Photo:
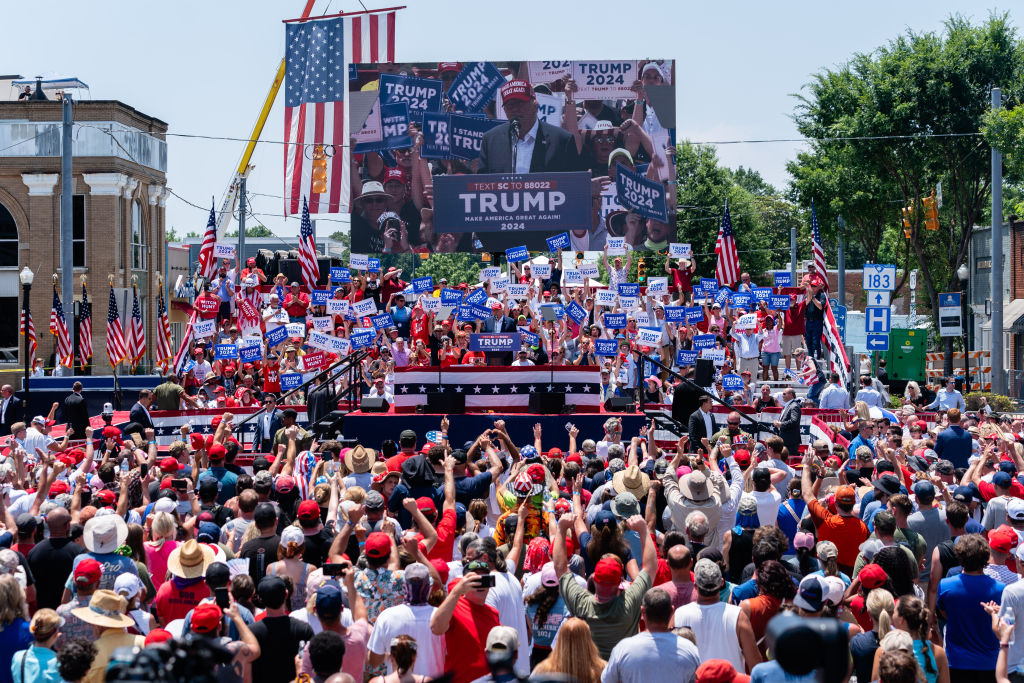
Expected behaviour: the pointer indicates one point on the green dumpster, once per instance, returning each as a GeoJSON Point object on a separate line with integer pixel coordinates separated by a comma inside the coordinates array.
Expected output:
{"type": "Point", "coordinates": [906, 358]}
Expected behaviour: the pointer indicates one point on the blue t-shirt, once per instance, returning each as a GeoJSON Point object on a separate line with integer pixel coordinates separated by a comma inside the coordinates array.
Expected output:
{"type": "Point", "coordinates": [785, 520]}
{"type": "Point", "coordinates": [771, 672]}
{"type": "Point", "coordinates": [14, 637]}
{"type": "Point", "coordinates": [228, 480]}
{"type": "Point", "coordinates": [970, 643]}
{"type": "Point", "coordinates": [469, 488]}
{"type": "Point", "coordinates": [744, 591]}
{"type": "Point", "coordinates": [544, 634]}
{"type": "Point", "coordinates": [113, 566]}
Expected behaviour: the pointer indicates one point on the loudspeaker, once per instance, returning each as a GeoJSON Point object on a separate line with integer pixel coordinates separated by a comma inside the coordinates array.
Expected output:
{"type": "Point", "coordinates": [324, 264]}
{"type": "Point", "coordinates": [685, 400]}
{"type": "Point", "coordinates": [373, 405]}
{"type": "Point", "coordinates": [329, 424]}
{"type": "Point", "coordinates": [704, 374]}
{"type": "Point", "coordinates": [291, 270]}
{"type": "Point", "coordinates": [446, 402]}
{"type": "Point", "coordinates": [619, 404]}
{"type": "Point", "coordinates": [547, 404]}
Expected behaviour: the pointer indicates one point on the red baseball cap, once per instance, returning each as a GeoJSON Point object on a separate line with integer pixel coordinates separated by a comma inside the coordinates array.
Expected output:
{"type": "Point", "coordinates": [608, 571]}
{"type": "Point", "coordinates": [169, 465]}
{"type": "Point", "coordinates": [872, 576]}
{"type": "Point", "coordinates": [217, 452]}
{"type": "Point", "coordinates": [423, 504]}
{"type": "Point", "coordinates": [449, 66]}
{"type": "Point", "coordinates": [308, 509]}
{"type": "Point", "coordinates": [396, 174]}
{"type": "Point", "coordinates": [442, 569]}
{"type": "Point", "coordinates": [555, 453]}
{"type": "Point", "coordinates": [58, 487]}
{"type": "Point", "coordinates": [378, 545]}
{"type": "Point", "coordinates": [88, 572]}
{"type": "Point", "coordinates": [105, 496]}
{"type": "Point", "coordinates": [536, 473]}
{"type": "Point", "coordinates": [719, 671]}
{"type": "Point", "coordinates": [111, 432]}
{"type": "Point", "coordinates": [742, 457]}
{"type": "Point", "coordinates": [157, 636]}
{"type": "Point", "coordinates": [205, 618]}
{"type": "Point", "coordinates": [1003, 539]}
{"type": "Point", "coordinates": [576, 458]}
{"type": "Point", "coordinates": [517, 89]}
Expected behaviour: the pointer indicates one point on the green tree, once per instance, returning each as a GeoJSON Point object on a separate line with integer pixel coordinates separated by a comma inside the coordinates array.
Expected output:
{"type": "Point", "coordinates": [254, 231]}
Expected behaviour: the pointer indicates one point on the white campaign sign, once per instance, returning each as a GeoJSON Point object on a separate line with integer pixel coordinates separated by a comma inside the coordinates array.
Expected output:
{"type": "Point", "coordinates": [489, 273]}
{"type": "Point", "coordinates": [319, 340]}
{"type": "Point", "coordinates": [204, 328]}
{"type": "Point", "coordinates": [337, 306]}
{"type": "Point", "coordinates": [657, 286]}
{"type": "Point", "coordinates": [322, 323]}
{"type": "Point", "coordinates": [679, 250]}
{"type": "Point", "coordinates": [339, 345]}
{"type": "Point", "coordinates": [549, 108]}
{"type": "Point", "coordinates": [604, 80]}
{"type": "Point", "coordinates": [604, 297]}
{"type": "Point", "coordinates": [648, 337]}
{"type": "Point", "coordinates": [541, 270]}
{"type": "Point", "coordinates": [616, 246]}
{"type": "Point", "coordinates": [295, 329]}
{"type": "Point", "coordinates": [629, 303]}
{"type": "Point", "coordinates": [500, 284]}
{"type": "Point", "coordinates": [222, 250]}
{"type": "Point", "coordinates": [588, 269]}
{"type": "Point", "coordinates": [546, 71]}
{"type": "Point", "coordinates": [518, 291]}
{"type": "Point", "coordinates": [642, 319]}
{"type": "Point", "coordinates": [365, 307]}
{"type": "Point", "coordinates": [359, 262]}
{"type": "Point", "coordinates": [573, 277]}
{"type": "Point", "coordinates": [716, 355]}
{"type": "Point", "coordinates": [746, 321]}
{"type": "Point", "coordinates": [430, 304]}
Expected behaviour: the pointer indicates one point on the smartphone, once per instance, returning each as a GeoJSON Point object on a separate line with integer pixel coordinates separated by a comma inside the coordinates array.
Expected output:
{"type": "Point", "coordinates": [487, 581]}
{"type": "Point", "coordinates": [144, 469]}
{"type": "Point", "coordinates": [222, 597]}
{"type": "Point", "coordinates": [336, 569]}
{"type": "Point", "coordinates": [568, 426]}
{"type": "Point", "coordinates": [179, 484]}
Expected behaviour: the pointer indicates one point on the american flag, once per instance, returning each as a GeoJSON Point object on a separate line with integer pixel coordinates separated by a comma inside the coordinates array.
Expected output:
{"type": "Point", "coordinates": [116, 347]}
{"type": "Point", "coordinates": [136, 332]}
{"type": "Point", "coordinates": [30, 326]}
{"type": "Point", "coordinates": [182, 355]}
{"type": "Point", "coordinates": [207, 263]}
{"type": "Point", "coordinates": [838, 360]}
{"type": "Point", "coordinates": [816, 248]}
{"type": "Point", "coordinates": [164, 352]}
{"type": "Point", "coordinates": [305, 463]}
{"type": "Point", "coordinates": [504, 388]}
{"type": "Point", "coordinates": [314, 114]}
{"type": "Point", "coordinates": [307, 250]}
{"type": "Point", "coordinates": [373, 36]}
{"type": "Point", "coordinates": [85, 329]}
{"type": "Point", "coordinates": [728, 269]}
{"type": "Point", "coordinates": [59, 328]}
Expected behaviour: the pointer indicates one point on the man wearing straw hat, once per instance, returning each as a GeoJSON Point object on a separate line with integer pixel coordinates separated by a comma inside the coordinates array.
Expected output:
{"type": "Point", "coordinates": [106, 613]}
{"type": "Point", "coordinates": [176, 597]}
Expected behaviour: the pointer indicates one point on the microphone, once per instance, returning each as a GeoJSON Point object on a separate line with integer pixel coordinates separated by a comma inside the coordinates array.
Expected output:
{"type": "Point", "coordinates": [513, 126]}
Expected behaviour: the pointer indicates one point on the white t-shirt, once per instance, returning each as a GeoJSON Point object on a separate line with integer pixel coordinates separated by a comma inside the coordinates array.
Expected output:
{"type": "Point", "coordinates": [507, 598]}
{"type": "Point", "coordinates": [652, 658]}
{"type": "Point", "coordinates": [413, 621]}
{"type": "Point", "coordinates": [35, 439]}
{"type": "Point", "coordinates": [767, 506]}
{"type": "Point", "coordinates": [313, 620]}
{"type": "Point", "coordinates": [715, 627]}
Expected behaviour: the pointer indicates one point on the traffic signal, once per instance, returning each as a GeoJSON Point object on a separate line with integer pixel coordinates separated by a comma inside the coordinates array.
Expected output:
{"type": "Point", "coordinates": [641, 271]}
{"type": "Point", "coordinates": [319, 169]}
{"type": "Point", "coordinates": [931, 212]}
{"type": "Point", "coordinates": [908, 226]}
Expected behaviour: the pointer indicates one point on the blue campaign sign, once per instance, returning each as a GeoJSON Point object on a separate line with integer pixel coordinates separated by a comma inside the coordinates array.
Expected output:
{"type": "Point", "coordinates": [643, 196]}
{"type": "Point", "coordinates": [382, 321]}
{"type": "Point", "coordinates": [557, 242]}
{"type": "Point", "coordinates": [704, 341]}
{"type": "Point", "coordinates": [436, 140]}
{"type": "Point", "coordinates": [783, 278]}
{"type": "Point", "coordinates": [516, 254]}
{"type": "Point", "coordinates": [877, 319]}
{"type": "Point", "coordinates": [480, 312]}
{"type": "Point", "coordinates": [319, 297]}
{"type": "Point", "coordinates": [576, 312]}
{"type": "Point", "coordinates": [339, 274]}
{"type": "Point", "coordinates": [251, 353]}
{"type": "Point", "coordinates": [723, 295]}
{"type": "Point", "coordinates": [879, 276]}
{"type": "Point", "coordinates": [949, 300]}
{"type": "Point", "coordinates": [423, 284]}
{"type": "Point", "coordinates": [698, 291]}
{"type": "Point", "coordinates": [686, 357]}
{"type": "Point", "coordinates": [465, 313]}
{"type": "Point", "coordinates": [741, 300]}
{"type": "Point", "coordinates": [709, 284]}
{"type": "Point", "coordinates": [373, 265]}
{"type": "Point", "coordinates": [529, 338]}
{"type": "Point", "coordinates": [420, 94]}
{"type": "Point", "coordinates": [188, 366]}
{"type": "Point", "coordinates": [291, 380]}
{"type": "Point", "coordinates": [675, 314]}
{"type": "Point", "coordinates": [361, 337]}
{"type": "Point", "coordinates": [839, 313]}
{"type": "Point", "coordinates": [498, 202]}
{"type": "Point", "coordinates": [451, 297]}
{"type": "Point", "coordinates": [762, 293]}
{"type": "Point", "coordinates": [606, 347]}
{"type": "Point", "coordinates": [779, 303]}
{"type": "Point", "coordinates": [225, 351]}
{"type": "Point", "coordinates": [276, 336]}
{"type": "Point", "coordinates": [394, 124]}
{"type": "Point", "coordinates": [629, 289]}
{"type": "Point", "coordinates": [495, 342]}
{"type": "Point", "coordinates": [465, 134]}
{"type": "Point", "coordinates": [878, 342]}
{"type": "Point", "coordinates": [477, 296]}
{"type": "Point", "coordinates": [694, 314]}
{"type": "Point", "coordinates": [474, 87]}
{"type": "Point", "coordinates": [615, 321]}
{"type": "Point", "coordinates": [732, 383]}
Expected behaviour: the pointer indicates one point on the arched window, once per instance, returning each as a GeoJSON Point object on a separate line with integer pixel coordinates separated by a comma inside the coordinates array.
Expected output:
{"type": "Point", "coordinates": [138, 238]}
{"type": "Point", "coordinates": [8, 239]}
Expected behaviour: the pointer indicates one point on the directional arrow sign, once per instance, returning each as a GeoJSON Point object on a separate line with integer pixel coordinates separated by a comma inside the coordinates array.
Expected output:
{"type": "Point", "coordinates": [877, 320]}
{"type": "Point", "coordinates": [839, 313]}
{"type": "Point", "coordinates": [878, 342]}
{"type": "Point", "coordinates": [879, 298]}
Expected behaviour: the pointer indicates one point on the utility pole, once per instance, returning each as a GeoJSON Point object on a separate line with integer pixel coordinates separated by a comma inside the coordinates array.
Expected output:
{"type": "Point", "coordinates": [998, 378]}
{"type": "Point", "coordinates": [841, 263]}
{"type": "Point", "coordinates": [67, 188]}
{"type": "Point", "coordinates": [792, 255]}
{"type": "Point", "coordinates": [241, 230]}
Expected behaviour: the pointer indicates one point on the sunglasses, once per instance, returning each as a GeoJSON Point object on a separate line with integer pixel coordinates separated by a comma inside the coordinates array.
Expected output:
{"type": "Point", "coordinates": [604, 138]}
{"type": "Point", "coordinates": [734, 424]}
{"type": "Point", "coordinates": [376, 200]}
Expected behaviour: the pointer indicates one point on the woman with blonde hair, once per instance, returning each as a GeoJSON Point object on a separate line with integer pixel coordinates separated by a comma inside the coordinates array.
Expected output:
{"type": "Point", "coordinates": [15, 633]}
{"type": "Point", "coordinates": [290, 564]}
{"type": "Point", "coordinates": [912, 395]}
{"type": "Point", "coordinates": [880, 607]}
{"type": "Point", "coordinates": [39, 662]}
{"type": "Point", "coordinates": [861, 410]}
{"type": "Point", "coordinates": [163, 532]}
{"type": "Point", "coordinates": [912, 628]}
{"type": "Point", "coordinates": [574, 654]}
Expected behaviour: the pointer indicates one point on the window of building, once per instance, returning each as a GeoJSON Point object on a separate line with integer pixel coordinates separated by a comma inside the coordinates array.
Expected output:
{"type": "Point", "coordinates": [9, 337]}
{"type": "Point", "coordinates": [8, 239]}
{"type": "Point", "coordinates": [138, 238]}
{"type": "Point", "coordinates": [78, 230]}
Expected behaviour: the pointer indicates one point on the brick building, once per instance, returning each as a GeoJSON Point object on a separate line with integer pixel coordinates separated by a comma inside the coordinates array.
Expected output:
{"type": "Point", "coordinates": [119, 168]}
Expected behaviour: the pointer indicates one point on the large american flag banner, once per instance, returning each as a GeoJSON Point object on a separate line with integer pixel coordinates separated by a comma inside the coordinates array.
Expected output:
{"type": "Point", "coordinates": [59, 328]}
{"type": "Point", "coordinates": [85, 328]}
{"type": "Point", "coordinates": [314, 115]}
{"type": "Point", "coordinates": [136, 332]}
{"type": "Point", "coordinates": [168, 422]}
{"type": "Point", "coordinates": [727, 271]}
{"type": "Point", "coordinates": [207, 262]}
{"type": "Point", "coordinates": [181, 357]}
{"type": "Point", "coordinates": [307, 250]}
{"type": "Point", "coordinates": [117, 349]}
{"type": "Point", "coordinates": [499, 387]}
{"type": "Point", "coordinates": [839, 362]}
{"type": "Point", "coordinates": [164, 352]}
{"type": "Point", "coordinates": [27, 327]}
{"type": "Point", "coordinates": [372, 36]}
{"type": "Point", "coordinates": [816, 248]}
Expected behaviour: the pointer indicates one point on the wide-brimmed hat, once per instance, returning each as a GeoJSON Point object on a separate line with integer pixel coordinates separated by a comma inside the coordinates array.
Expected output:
{"type": "Point", "coordinates": [631, 480]}
{"type": "Point", "coordinates": [695, 486]}
{"type": "Point", "coordinates": [359, 459]}
{"type": "Point", "coordinates": [104, 534]}
{"type": "Point", "coordinates": [106, 608]}
{"type": "Point", "coordinates": [190, 560]}
{"type": "Point", "coordinates": [625, 505]}
{"type": "Point", "coordinates": [372, 188]}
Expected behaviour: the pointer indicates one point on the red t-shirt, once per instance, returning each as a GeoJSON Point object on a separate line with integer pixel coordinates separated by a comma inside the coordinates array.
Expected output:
{"type": "Point", "coordinates": [173, 603]}
{"type": "Point", "coordinates": [988, 491]}
{"type": "Point", "coordinates": [271, 380]}
{"type": "Point", "coordinates": [445, 545]}
{"type": "Point", "coordinates": [292, 304]}
{"type": "Point", "coordinates": [394, 463]}
{"type": "Point", "coordinates": [794, 319]}
{"type": "Point", "coordinates": [465, 640]}
{"type": "Point", "coordinates": [206, 311]}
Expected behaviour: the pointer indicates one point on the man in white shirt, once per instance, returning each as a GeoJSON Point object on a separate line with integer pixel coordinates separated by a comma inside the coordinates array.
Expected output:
{"type": "Point", "coordinates": [656, 655]}
{"type": "Point", "coordinates": [38, 436]}
{"type": "Point", "coordinates": [948, 397]}
{"type": "Point", "coordinates": [834, 396]}
{"type": "Point", "coordinates": [412, 618]}
{"type": "Point", "coordinates": [379, 390]}
{"type": "Point", "coordinates": [868, 394]}
{"type": "Point", "coordinates": [521, 360]}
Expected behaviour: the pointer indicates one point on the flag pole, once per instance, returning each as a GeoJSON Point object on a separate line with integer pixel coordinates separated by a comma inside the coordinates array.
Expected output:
{"type": "Point", "coordinates": [305, 17]}
{"type": "Point", "coordinates": [113, 366]}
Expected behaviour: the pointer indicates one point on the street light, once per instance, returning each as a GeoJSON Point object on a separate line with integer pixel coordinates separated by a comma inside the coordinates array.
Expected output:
{"type": "Point", "coordinates": [964, 273]}
{"type": "Point", "coordinates": [26, 276]}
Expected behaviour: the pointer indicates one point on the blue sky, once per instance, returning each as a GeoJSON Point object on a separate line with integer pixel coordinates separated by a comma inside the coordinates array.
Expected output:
{"type": "Point", "coordinates": [205, 67]}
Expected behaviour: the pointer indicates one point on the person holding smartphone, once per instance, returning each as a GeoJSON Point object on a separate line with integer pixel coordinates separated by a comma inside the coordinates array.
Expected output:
{"type": "Point", "coordinates": [465, 619]}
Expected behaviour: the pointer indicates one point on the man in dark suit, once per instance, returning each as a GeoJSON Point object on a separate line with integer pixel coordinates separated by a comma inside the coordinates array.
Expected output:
{"type": "Point", "coordinates": [539, 147]}
{"type": "Point", "coordinates": [140, 411]}
{"type": "Point", "coordinates": [498, 323]}
{"type": "Point", "coordinates": [788, 425]}
{"type": "Point", "coordinates": [267, 425]}
{"type": "Point", "coordinates": [11, 409]}
{"type": "Point", "coordinates": [701, 424]}
{"type": "Point", "coordinates": [76, 412]}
